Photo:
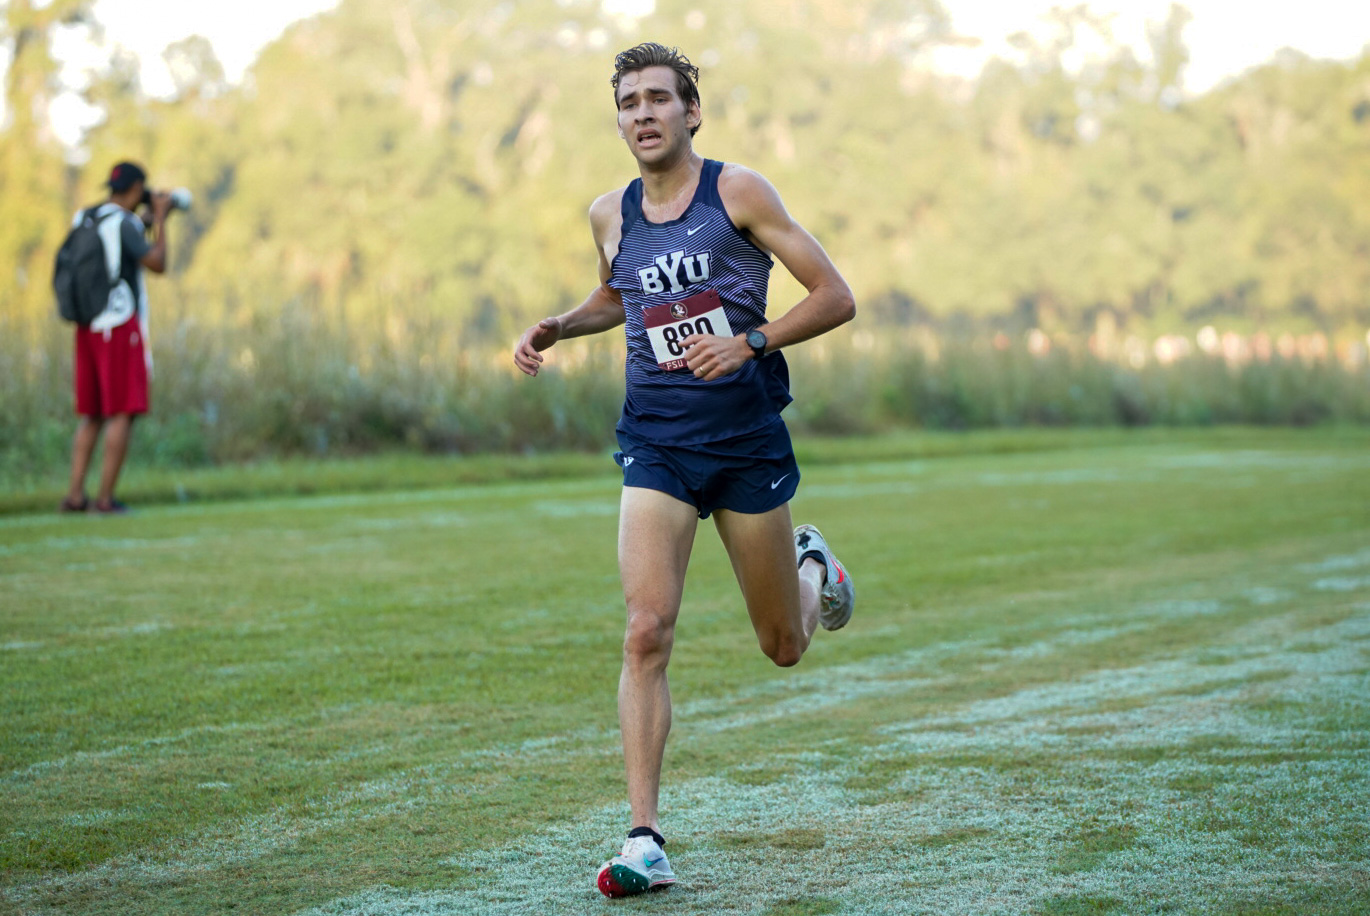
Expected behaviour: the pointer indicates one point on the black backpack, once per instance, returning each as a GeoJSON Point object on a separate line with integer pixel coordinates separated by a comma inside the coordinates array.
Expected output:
{"type": "Point", "coordinates": [80, 277]}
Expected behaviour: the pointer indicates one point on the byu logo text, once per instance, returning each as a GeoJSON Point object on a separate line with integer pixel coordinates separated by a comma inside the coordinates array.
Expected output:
{"type": "Point", "coordinates": [676, 269]}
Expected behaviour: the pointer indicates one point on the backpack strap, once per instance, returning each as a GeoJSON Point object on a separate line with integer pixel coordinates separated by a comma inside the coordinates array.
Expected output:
{"type": "Point", "coordinates": [94, 213]}
{"type": "Point", "coordinates": [96, 221]}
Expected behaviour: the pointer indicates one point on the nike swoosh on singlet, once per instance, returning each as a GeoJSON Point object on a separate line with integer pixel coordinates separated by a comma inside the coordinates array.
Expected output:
{"type": "Point", "coordinates": [694, 230]}
{"type": "Point", "coordinates": [776, 483]}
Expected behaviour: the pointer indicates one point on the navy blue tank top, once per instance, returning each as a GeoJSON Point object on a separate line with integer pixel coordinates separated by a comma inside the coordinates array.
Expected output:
{"type": "Point", "coordinates": [663, 264]}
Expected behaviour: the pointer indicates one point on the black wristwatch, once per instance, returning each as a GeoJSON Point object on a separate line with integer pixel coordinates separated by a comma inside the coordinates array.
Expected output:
{"type": "Point", "coordinates": [757, 341]}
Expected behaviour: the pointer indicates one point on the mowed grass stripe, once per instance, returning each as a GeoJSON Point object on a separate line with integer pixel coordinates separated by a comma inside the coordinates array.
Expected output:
{"type": "Point", "coordinates": [292, 703]}
{"type": "Point", "coordinates": [1115, 810]}
{"type": "Point", "coordinates": [819, 822]}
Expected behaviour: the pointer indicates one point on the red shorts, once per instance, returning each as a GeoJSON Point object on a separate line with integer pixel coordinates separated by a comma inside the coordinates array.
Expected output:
{"type": "Point", "coordinates": [111, 374]}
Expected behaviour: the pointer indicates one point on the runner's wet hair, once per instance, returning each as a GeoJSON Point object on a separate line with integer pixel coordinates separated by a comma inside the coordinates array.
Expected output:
{"type": "Point", "coordinates": [651, 54]}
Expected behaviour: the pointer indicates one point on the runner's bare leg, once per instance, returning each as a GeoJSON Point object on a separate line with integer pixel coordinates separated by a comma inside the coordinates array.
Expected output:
{"type": "Point", "coordinates": [655, 535]}
{"type": "Point", "coordinates": [783, 606]}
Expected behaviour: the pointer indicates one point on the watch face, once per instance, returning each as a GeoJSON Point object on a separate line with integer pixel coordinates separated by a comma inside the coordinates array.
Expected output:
{"type": "Point", "coordinates": [756, 340]}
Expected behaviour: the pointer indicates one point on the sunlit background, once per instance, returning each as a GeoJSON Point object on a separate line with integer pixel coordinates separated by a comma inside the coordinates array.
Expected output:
{"type": "Point", "coordinates": [1106, 213]}
{"type": "Point", "coordinates": [1224, 37]}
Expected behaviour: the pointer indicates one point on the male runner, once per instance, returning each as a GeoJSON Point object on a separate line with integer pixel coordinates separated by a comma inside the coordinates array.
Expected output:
{"type": "Point", "coordinates": [684, 259]}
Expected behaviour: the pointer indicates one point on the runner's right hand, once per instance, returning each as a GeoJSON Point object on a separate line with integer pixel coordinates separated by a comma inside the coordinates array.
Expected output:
{"type": "Point", "coordinates": [527, 355]}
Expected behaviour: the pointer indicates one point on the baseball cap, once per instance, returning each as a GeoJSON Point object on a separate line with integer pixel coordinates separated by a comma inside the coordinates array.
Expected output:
{"type": "Point", "coordinates": [125, 175]}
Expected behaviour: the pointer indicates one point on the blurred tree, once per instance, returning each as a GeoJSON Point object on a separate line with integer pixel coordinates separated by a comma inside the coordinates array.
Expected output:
{"type": "Point", "coordinates": [428, 158]}
{"type": "Point", "coordinates": [34, 203]}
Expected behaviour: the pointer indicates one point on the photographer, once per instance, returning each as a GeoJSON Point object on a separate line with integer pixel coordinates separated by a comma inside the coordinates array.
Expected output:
{"type": "Point", "coordinates": [112, 355]}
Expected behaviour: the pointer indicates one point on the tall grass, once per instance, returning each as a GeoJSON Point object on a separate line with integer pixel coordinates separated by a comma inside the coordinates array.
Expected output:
{"type": "Point", "coordinates": [303, 382]}
{"type": "Point", "coordinates": [904, 378]}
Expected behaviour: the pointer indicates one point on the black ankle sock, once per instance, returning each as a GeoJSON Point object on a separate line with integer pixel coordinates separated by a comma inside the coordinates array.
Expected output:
{"type": "Point", "coordinates": [819, 559]}
{"type": "Point", "coordinates": [648, 831]}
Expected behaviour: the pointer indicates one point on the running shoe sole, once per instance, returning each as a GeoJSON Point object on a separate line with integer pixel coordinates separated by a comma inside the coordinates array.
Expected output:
{"type": "Point", "coordinates": [622, 881]}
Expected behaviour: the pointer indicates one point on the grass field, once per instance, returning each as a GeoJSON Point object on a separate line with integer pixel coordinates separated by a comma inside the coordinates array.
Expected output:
{"type": "Point", "coordinates": [1128, 676]}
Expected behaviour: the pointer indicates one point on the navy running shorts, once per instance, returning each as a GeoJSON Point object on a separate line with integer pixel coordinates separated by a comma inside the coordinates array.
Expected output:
{"type": "Point", "coordinates": [752, 473]}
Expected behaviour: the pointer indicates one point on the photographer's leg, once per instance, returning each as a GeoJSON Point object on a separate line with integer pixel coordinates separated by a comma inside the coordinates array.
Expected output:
{"type": "Point", "coordinates": [117, 432]}
{"type": "Point", "coordinates": [82, 448]}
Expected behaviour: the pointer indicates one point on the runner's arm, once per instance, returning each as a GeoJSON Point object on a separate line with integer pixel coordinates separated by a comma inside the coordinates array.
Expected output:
{"type": "Point", "coordinates": [601, 311]}
{"type": "Point", "coordinates": [756, 209]}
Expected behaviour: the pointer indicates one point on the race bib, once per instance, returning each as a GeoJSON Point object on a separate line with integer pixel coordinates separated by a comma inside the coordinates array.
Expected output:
{"type": "Point", "coordinates": [670, 323]}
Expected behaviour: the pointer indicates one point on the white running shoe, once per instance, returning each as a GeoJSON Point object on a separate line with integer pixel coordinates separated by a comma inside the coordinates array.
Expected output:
{"type": "Point", "coordinates": [838, 596]}
{"type": "Point", "coordinates": [641, 867]}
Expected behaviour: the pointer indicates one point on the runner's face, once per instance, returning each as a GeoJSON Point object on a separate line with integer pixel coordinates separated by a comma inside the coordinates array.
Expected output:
{"type": "Point", "coordinates": [652, 118]}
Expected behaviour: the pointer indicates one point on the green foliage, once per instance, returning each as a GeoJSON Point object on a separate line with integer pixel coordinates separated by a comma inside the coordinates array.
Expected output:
{"type": "Point", "coordinates": [34, 215]}
{"type": "Point", "coordinates": [400, 187]}
{"type": "Point", "coordinates": [442, 156]}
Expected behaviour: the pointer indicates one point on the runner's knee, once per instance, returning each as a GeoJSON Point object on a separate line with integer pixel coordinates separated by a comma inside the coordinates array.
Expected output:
{"type": "Point", "coordinates": [648, 638]}
{"type": "Point", "coordinates": [784, 649]}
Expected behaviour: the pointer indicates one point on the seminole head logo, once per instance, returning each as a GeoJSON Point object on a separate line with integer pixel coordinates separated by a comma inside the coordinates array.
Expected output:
{"type": "Point", "coordinates": [678, 310]}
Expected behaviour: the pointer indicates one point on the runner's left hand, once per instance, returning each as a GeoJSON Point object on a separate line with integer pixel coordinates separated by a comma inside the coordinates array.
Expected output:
{"type": "Point", "coordinates": [710, 357]}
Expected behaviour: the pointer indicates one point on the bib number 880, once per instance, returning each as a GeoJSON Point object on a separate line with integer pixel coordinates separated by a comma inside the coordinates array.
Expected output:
{"type": "Point", "coordinates": [670, 323]}
{"type": "Point", "coordinates": [674, 334]}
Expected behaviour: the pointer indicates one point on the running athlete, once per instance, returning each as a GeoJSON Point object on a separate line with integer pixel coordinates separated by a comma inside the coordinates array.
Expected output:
{"type": "Point", "coordinates": [684, 260]}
